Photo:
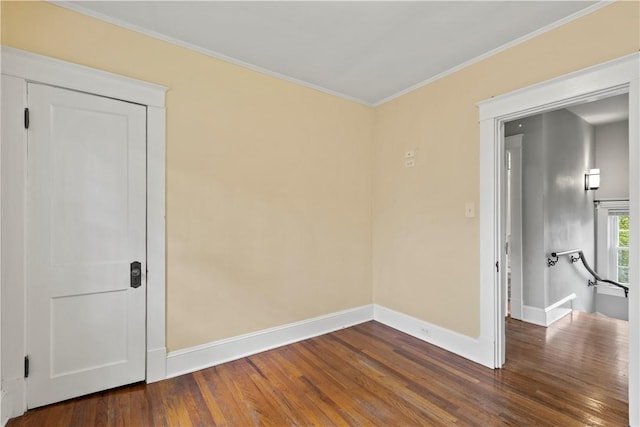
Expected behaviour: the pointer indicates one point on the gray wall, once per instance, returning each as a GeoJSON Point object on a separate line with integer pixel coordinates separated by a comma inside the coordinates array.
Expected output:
{"type": "Point", "coordinates": [558, 148]}
{"type": "Point", "coordinates": [569, 152]}
{"type": "Point", "coordinates": [612, 157]}
{"type": "Point", "coordinates": [612, 306]}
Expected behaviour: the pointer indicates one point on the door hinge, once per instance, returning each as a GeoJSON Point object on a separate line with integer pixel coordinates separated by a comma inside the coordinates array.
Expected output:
{"type": "Point", "coordinates": [497, 266]}
{"type": "Point", "coordinates": [26, 118]}
{"type": "Point", "coordinates": [26, 366]}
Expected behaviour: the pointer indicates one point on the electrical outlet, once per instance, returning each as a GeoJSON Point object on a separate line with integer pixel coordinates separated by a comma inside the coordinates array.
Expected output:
{"type": "Point", "coordinates": [425, 332]}
{"type": "Point", "coordinates": [409, 163]}
{"type": "Point", "coordinates": [409, 154]}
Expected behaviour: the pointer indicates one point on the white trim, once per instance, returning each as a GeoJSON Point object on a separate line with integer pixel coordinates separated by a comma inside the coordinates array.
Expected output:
{"type": "Point", "coordinates": [127, 25]}
{"type": "Point", "coordinates": [634, 247]}
{"type": "Point", "coordinates": [211, 53]}
{"type": "Point", "coordinates": [478, 350]}
{"type": "Point", "coordinates": [31, 67]}
{"type": "Point", "coordinates": [560, 303]}
{"type": "Point", "coordinates": [614, 291]}
{"type": "Point", "coordinates": [203, 356]}
{"type": "Point", "coordinates": [156, 247]}
{"type": "Point", "coordinates": [514, 143]}
{"type": "Point", "coordinates": [547, 316]}
{"type": "Point", "coordinates": [603, 254]}
{"type": "Point", "coordinates": [534, 315]}
{"type": "Point", "coordinates": [555, 311]}
{"type": "Point", "coordinates": [490, 252]}
{"type": "Point", "coordinates": [13, 393]}
{"type": "Point", "coordinates": [557, 314]}
{"type": "Point", "coordinates": [613, 77]}
{"type": "Point", "coordinates": [608, 78]}
{"type": "Point", "coordinates": [499, 49]}
{"type": "Point", "coordinates": [12, 213]}
{"type": "Point", "coordinates": [54, 72]}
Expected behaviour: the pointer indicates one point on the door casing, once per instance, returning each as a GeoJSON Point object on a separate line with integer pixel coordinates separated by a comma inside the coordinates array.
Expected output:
{"type": "Point", "coordinates": [514, 143]}
{"type": "Point", "coordinates": [18, 68]}
{"type": "Point", "coordinates": [618, 76]}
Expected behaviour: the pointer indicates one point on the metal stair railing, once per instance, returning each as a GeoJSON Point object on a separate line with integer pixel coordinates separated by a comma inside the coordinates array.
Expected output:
{"type": "Point", "coordinates": [555, 256]}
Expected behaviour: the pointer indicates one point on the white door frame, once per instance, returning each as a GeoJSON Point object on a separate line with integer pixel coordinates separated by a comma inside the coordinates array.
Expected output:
{"type": "Point", "coordinates": [613, 77]}
{"type": "Point", "coordinates": [18, 68]}
{"type": "Point", "coordinates": [515, 143]}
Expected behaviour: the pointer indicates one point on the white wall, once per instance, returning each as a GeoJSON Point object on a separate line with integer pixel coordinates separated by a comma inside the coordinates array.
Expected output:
{"type": "Point", "coordinates": [612, 157]}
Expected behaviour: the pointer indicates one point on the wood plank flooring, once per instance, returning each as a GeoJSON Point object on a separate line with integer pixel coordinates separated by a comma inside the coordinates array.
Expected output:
{"type": "Point", "coordinates": [573, 373]}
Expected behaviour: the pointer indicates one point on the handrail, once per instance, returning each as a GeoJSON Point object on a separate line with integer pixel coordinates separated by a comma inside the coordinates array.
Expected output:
{"type": "Point", "coordinates": [553, 259]}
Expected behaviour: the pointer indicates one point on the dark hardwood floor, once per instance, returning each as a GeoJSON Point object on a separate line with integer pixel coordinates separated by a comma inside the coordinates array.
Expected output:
{"type": "Point", "coordinates": [573, 373]}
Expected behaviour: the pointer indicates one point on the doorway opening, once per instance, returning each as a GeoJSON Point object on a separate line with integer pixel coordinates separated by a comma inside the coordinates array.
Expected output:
{"type": "Point", "coordinates": [549, 209]}
{"type": "Point", "coordinates": [601, 81]}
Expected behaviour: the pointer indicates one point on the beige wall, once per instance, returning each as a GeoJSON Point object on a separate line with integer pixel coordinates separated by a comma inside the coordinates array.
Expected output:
{"type": "Point", "coordinates": [425, 252]}
{"type": "Point", "coordinates": [268, 183]}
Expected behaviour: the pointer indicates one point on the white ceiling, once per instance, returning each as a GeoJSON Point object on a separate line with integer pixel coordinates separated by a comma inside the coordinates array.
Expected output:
{"type": "Point", "coordinates": [607, 110]}
{"type": "Point", "coordinates": [367, 51]}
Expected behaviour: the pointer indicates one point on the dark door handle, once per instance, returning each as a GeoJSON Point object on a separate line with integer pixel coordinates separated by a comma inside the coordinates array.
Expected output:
{"type": "Point", "coordinates": [136, 274]}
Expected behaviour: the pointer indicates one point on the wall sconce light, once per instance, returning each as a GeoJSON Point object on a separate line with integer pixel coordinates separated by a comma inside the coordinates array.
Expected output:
{"type": "Point", "coordinates": [592, 179]}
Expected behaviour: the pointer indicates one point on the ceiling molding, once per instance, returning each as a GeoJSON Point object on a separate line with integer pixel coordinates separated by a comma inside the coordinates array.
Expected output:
{"type": "Point", "coordinates": [180, 43]}
{"type": "Point", "coordinates": [177, 42]}
{"type": "Point", "coordinates": [526, 37]}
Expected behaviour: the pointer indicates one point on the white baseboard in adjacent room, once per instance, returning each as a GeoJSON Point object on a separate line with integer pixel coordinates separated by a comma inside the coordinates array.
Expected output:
{"type": "Point", "coordinates": [478, 350]}
{"type": "Point", "coordinates": [549, 315]}
{"type": "Point", "coordinates": [203, 356]}
{"type": "Point", "coordinates": [534, 315]}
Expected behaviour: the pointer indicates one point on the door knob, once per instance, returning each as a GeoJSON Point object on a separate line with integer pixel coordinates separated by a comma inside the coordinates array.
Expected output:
{"type": "Point", "coordinates": [136, 274]}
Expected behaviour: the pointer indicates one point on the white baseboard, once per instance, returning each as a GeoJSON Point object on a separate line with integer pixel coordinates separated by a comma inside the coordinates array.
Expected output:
{"type": "Point", "coordinates": [557, 314]}
{"type": "Point", "coordinates": [13, 399]}
{"type": "Point", "coordinates": [534, 315]}
{"type": "Point", "coordinates": [203, 356]}
{"type": "Point", "coordinates": [156, 365]}
{"type": "Point", "coordinates": [547, 316]}
{"type": "Point", "coordinates": [479, 350]}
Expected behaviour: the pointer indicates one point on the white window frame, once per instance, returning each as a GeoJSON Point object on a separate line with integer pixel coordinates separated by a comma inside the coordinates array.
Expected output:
{"type": "Point", "coordinates": [606, 255]}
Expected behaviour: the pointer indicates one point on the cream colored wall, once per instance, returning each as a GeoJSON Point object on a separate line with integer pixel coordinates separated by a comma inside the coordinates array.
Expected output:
{"type": "Point", "coordinates": [425, 251]}
{"type": "Point", "coordinates": [268, 183]}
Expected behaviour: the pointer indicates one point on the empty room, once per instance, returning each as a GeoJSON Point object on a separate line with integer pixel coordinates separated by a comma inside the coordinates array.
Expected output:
{"type": "Point", "coordinates": [320, 213]}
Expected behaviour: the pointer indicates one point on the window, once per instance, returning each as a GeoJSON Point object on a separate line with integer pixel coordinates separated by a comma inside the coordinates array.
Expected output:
{"type": "Point", "coordinates": [612, 244]}
{"type": "Point", "coordinates": [619, 246]}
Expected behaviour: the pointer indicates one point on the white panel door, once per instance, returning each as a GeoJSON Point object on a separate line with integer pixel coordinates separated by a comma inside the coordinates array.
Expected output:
{"type": "Point", "coordinates": [85, 226]}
